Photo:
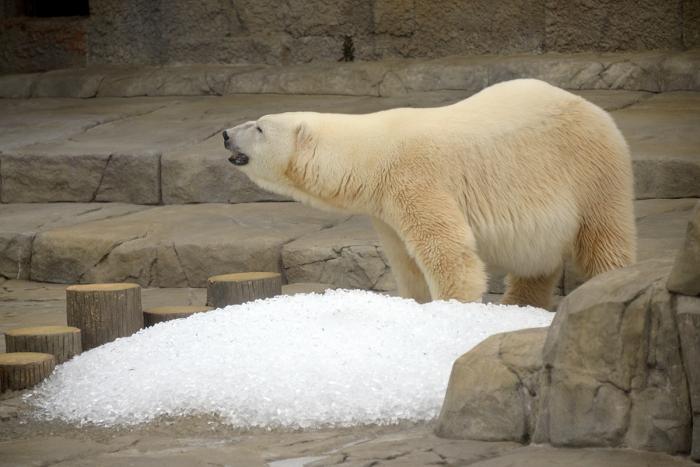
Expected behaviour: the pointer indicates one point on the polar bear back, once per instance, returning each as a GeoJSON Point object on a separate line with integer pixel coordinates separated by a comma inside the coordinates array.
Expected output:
{"type": "Point", "coordinates": [525, 160]}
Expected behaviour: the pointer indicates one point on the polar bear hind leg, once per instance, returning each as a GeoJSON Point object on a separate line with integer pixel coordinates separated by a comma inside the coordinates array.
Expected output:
{"type": "Point", "coordinates": [606, 239]}
{"type": "Point", "coordinates": [533, 291]}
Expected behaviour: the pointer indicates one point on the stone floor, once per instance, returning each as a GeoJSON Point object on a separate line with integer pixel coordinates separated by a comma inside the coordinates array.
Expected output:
{"type": "Point", "coordinates": [195, 442]}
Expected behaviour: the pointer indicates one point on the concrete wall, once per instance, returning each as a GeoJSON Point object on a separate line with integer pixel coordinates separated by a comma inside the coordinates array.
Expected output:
{"type": "Point", "coordinates": [299, 31]}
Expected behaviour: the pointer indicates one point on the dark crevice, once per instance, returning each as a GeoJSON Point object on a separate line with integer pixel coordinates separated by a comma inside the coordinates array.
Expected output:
{"type": "Point", "coordinates": [159, 179]}
{"type": "Point", "coordinates": [102, 177]}
{"type": "Point", "coordinates": [182, 267]}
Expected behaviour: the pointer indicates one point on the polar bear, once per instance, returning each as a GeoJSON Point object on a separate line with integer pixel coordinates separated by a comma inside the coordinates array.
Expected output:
{"type": "Point", "coordinates": [519, 176]}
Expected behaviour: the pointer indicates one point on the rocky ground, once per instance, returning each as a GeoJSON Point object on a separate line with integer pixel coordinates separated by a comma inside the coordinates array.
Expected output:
{"type": "Point", "coordinates": [133, 185]}
{"type": "Point", "coordinates": [204, 442]}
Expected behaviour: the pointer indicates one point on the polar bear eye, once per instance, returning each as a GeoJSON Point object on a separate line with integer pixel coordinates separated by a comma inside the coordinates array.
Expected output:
{"type": "Point", "coordinates": [259, 129]}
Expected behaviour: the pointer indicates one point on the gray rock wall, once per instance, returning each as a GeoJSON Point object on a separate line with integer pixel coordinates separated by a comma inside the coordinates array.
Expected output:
{"type": "Point", "coordinates": [300, 31]}
{"type": "Point", "coordinates": [618, 368]}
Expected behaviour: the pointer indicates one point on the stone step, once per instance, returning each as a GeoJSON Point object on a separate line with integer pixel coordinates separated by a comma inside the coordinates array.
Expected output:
{"type": "Point", "coordinates": [182, 245]}
{"type": "Point", "coordinates": [640, 71]}
{"type": "Point", "coordinates": [168, 150]}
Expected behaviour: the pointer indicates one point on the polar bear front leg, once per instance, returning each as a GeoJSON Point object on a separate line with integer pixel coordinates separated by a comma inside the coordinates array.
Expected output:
{"type": "Point", "coordinates": [437, 236]}
{"type": "Point", "coordinates": [409, 277]}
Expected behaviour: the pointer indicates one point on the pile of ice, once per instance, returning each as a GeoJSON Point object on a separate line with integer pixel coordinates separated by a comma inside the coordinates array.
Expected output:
{"type": "Point", "coordinates": [338, 359]}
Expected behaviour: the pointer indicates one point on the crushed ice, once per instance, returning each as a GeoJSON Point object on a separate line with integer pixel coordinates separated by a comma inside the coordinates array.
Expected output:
{"type": "Point", "coordinates": [338, 359]}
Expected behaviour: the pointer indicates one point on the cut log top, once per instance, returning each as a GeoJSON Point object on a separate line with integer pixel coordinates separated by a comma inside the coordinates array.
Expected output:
{"type": "Point", "coordinates": [101, 287]}
{"type": "Point", "coordinates": [169, 310]}
{"type": "Point", "coordinates": [41, 331]}
{"type": "Point", "coordinates": [24, 358]}
{"type": "Point", "coordinates": [243, 276]}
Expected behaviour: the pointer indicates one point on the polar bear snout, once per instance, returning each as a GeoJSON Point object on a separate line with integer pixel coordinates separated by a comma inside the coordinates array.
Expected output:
{"type": "Point", "coordinates": [237, 158]}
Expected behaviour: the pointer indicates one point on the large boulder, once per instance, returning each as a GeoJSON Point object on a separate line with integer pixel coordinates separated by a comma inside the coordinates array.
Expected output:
{"type": "Point", "coordinates": [685, 275]}
{"type": "Point", "coordinates": [618, 368]}
{"type": "Point", "coordinates": [613, 373]}
{"type": "Point", "coordinates": [688, 309]}
{"type": "Point", "coordinates": [492, 389]}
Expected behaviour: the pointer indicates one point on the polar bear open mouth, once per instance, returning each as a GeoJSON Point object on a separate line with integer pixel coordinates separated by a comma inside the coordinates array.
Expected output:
{"type": "Point", "coordinates": [238, 159]}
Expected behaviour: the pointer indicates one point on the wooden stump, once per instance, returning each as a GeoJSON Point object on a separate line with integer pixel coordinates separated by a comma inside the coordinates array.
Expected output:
{"type": "Point", "coordinates": [104, 312]}
{"type": "Point", "coordinates": [159, 314]}
{"type": "Point", "coordinates": [22, 370]}
{"type": "Point", "coordinates": [63, 342]}
{"type": "Point", "coordinates": [233, 289]}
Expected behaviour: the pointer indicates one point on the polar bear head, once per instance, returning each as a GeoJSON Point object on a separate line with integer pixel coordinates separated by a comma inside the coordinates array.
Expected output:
{"type": "Point", "coordinates": [264, 149]}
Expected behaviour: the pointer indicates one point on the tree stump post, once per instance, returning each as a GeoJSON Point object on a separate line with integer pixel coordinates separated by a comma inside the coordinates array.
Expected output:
{"type": "Point", "coordinates": [22, 370]}
{"type": "Point", "coordinates": [104, 312]}
{"type": "Point", "coordinates": [234, 289]}
{"type": "Point", "coordinates": [159, 314]}
{"type": "Point", "coordinates": [63, 342]}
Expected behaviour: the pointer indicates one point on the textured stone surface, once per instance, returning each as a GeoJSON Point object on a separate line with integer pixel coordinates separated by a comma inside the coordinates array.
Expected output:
{"type": "Point", "coordinates": [21, 223]}
{"type": "Point", "coordinates": [42, 177]}
{"type": "Point", "coordinates": [71, 82]}
{"type": "Point", "coordinates": [606, 26]}
{"type": "Point", "coordinates": [360, 79]}
{"type": "Point", "coordinates": [613, 370]}
{"type": "Point", "coordinates": [17, 86]}
{"type": "Point", "coordinates": [30, 121]}
{"type": "Point", "coordinates": [174, 246]}
{"type": "Point", "coordinates": [203, 441]}
{"type": "Point", "coordinates": [185, 444]}
{"type": "Point", "coordinates": [348, 255]}
{"type": "Point", "coordinates": [37, 44]}
{"type": "Point", "coordinates": [688, 316]}
{"type": "Point", "coordinates": [634, 71]}
{"type": "Point", "coordinates": [538, 456]}
{"type": "Point", "coordinates": [691, 23]}
{"type": "Point", "coordinates": [685, 275]}
{"type": "Point", "coordinates": [666, 149]}
{"type": "Point", "coordinates": [216, 31]}
{"type": "Point", "coordinates": [183, 80]}
{"type": "Point", "coordinates": [124, 32]}
{"type": "Point", "coordinates": [118, 160]}
{"type": "Point", "coordinates": [492, 389]}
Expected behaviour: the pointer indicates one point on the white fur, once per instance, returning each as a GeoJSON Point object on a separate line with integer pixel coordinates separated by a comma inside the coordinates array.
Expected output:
{"type": "Point", "coordinates": [519, 176]}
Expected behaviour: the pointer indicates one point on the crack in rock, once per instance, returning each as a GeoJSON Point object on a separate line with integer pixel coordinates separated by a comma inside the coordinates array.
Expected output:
{"type": "Point", "coordinates": [109, 252]}
{"type": "Point", "coordinates": [102, 177]}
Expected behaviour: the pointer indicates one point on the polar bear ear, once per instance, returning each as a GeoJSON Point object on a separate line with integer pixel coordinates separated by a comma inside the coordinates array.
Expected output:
{"type": "Point", "coordinates": [304, 135]}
